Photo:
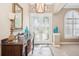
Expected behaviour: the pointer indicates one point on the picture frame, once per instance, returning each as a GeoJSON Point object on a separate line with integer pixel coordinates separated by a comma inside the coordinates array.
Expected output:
{"type": "Point", "coordinates": [18, 21]}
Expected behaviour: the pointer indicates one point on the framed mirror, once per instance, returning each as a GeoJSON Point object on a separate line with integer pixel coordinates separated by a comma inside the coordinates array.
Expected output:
{"type": "Point", "coordinates": [18, 10]}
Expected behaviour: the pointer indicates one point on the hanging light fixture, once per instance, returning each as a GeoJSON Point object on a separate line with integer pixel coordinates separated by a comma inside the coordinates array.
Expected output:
{"type": "Point", "coordinates": [40, 7]}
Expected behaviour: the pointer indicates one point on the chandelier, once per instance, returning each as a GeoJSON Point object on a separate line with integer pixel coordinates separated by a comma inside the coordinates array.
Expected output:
{"type": "Point", "coordinates": [40, 7]}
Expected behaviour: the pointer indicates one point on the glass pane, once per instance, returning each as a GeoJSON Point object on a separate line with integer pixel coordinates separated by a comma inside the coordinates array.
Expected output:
{"type": "Point", "coordinates": [77, 21]}
{"type": "Point", "coordinates": [36, 22]}
{"type": "Point", "coordinates": [68, 21]}
{"type": "Point", "coordinates": [46, 20]}
{"type": "Point", "coordinates": [76, 32]}
{"type": "Point", "coordinates": [68, 26]}
{"type": "Point", "coordinates": [68, 34]}
{"type": "Point", "coordinates": [76, 26]}
{"type": "Point", "coordinates": [68, 31]}
{"type": "Point", "coordinates": [69, 14]}
{"type": "Point", "coordinates": [37, 36]}
{"type": "Point", "coordinates": [44, 36]}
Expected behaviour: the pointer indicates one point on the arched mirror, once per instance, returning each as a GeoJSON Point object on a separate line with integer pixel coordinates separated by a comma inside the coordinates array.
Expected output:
{"type": "Point", "coordinates": [18, 10]}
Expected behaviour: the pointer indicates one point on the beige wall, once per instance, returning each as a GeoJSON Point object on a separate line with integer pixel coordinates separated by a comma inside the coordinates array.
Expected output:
{"type": "Point", "coordinates": [58, 19]}
{"type": "Point", "coordinates": [5, 9]}
{"type": "Point", "coordinates": [4, 20]}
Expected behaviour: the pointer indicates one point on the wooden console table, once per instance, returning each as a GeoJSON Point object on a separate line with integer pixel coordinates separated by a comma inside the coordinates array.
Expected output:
{"type": "Point", "coordinates": [14, 49]}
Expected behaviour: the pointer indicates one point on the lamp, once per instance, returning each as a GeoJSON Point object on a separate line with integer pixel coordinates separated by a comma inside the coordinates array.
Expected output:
{"type": "Point", "coordinates": [40, 7]}
{"type": "Point", "coordinates": [11, 36]}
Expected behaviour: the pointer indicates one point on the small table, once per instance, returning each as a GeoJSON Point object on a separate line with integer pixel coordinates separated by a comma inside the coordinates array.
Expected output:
{"type": "Point", "coordinates": [56, 39]}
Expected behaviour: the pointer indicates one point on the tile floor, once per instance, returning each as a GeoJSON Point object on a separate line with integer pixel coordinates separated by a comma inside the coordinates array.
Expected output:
{"type": "Point", "coordinates": [66, 50]}
{"type": "Point", "coordinates": [49, 50]}
{"type": "Point", "coordinates": [42, 50]}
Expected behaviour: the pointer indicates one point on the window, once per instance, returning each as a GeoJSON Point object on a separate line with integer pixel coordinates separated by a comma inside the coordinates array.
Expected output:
{"type": "Point", "coordinates": [71, 24]}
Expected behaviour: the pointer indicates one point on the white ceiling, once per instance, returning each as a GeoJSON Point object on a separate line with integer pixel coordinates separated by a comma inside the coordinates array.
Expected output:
{"type": "Point", "coordinates": [68, 5]}
{"type": "Point", "coordinates": [72, 5]}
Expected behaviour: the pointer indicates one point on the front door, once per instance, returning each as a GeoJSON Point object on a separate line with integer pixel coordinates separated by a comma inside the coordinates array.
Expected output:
{"type": "Point", "coordinates": [41, 25]}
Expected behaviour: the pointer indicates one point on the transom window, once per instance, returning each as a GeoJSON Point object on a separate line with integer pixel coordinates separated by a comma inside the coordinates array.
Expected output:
{"type": "Point", "coordinates": [71, 24]}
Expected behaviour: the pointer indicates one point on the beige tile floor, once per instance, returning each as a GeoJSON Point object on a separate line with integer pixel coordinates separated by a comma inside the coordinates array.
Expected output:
{"type": "Point", "coordinates": [66, 50]}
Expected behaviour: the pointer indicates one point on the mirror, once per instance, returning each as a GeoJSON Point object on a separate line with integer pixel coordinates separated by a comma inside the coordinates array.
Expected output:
{"type": "Point", "coordinates": [18, 10]}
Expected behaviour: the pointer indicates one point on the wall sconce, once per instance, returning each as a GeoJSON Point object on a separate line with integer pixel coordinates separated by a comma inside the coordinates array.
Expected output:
{"type": "Point", "coordinates": [40, 7]}
{"type": "Point", "coordinates": [11, 36]}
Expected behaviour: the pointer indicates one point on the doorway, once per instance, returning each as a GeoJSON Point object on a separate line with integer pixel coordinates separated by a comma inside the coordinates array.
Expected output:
{"type": "Point", "coordinates": [41, 26]}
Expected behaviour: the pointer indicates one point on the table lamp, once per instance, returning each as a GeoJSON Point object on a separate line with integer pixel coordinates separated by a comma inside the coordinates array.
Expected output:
{"type": "Point", "coordinates": [11, 36]}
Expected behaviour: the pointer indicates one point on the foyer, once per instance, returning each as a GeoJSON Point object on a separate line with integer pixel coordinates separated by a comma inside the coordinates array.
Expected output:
{"type": "Point", "coordinates": [39, 29]}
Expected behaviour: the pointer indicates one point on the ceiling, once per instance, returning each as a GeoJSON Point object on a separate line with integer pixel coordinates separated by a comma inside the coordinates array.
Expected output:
{"type": "Point", "coordinates": [72, 5]}
{"type": "Point", "coordinates": [59, 6]}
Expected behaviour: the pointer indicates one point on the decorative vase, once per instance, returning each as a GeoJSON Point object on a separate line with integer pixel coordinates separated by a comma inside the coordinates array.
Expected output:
{"type": "Point", "coordinates": [55, 29]}
{"type": "Point", "coordinates": [11, 38]}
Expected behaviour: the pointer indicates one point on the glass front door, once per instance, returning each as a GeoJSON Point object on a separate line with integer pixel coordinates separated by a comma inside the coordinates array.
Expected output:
{"type": "Point", "coordinates": [41, 26]}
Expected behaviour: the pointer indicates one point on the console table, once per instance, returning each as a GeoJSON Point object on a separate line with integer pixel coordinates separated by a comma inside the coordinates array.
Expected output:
{"type": "Point", "coordinates": [15, 49]}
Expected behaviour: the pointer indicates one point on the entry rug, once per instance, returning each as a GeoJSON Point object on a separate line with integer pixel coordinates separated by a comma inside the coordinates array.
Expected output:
{"type": "Point", "coordinates": [42, 50]}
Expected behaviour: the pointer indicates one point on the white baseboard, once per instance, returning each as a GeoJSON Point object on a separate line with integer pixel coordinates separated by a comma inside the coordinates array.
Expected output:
{"type": "Point", "coordinates": [65, 43]}
{"type": "Point", "coordinates": [69, 43]}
